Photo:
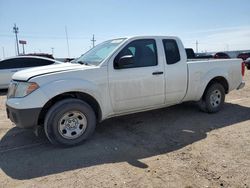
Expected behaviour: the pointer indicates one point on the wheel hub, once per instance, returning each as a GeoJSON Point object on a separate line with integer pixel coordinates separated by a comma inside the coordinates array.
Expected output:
{"type": "Point", "coordinates": [72, 124]}
{"type": "Point", "coordinates": [215, 98]}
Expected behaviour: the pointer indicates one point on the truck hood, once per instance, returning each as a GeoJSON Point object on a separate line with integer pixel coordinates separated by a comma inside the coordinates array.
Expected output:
{"type": "Point", "coordinates": [26, 74]}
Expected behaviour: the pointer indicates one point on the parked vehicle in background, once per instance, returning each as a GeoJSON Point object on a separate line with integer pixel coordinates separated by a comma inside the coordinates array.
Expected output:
{"type": "Point", "coordinates": [244, 55]}
{"type": "Point", "coordinates": [64, 60]}
{"type": "Point", "coordinates": [204, 56]}
{"type": "Point", "coordinates": [117, 77]}
{"type": "Point", "coordinates": [11, 65]}
{"type": "Point", "coordinates": [50, 56]}
{"type": "Point", "coordinates": [247, 63]}
{"type": "Point", "coordinates": [191, 55]}
{"type": "Point", "coordinates": [221, 55]}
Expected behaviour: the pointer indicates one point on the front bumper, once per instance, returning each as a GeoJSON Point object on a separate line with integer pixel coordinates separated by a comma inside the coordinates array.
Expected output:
{"type": "Point", "coordinates": [23, 118]}
{"type": "Point", "coordinates": [242, 84]}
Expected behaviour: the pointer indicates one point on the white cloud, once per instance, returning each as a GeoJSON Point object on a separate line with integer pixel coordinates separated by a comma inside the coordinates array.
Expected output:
{"type": "Point", "coordinates": [222, 39]}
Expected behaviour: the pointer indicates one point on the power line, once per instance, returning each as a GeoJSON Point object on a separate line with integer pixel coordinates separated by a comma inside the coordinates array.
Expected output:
{"type": "Point", "coordinates": [45, 36]}
{"type": "Point", "coordinates": [93, 41]}
{"type": "Point", "coordinates": [15, 30]}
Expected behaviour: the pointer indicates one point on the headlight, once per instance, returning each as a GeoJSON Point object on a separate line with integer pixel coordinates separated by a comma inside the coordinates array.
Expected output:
{"type": "Point", "coordinates": [21, 89]}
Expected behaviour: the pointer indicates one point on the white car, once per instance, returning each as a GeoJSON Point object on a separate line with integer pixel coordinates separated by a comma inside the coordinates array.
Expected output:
{"type": "Point", "coordinates": [11, 65]}
{"type": "Point", "coordinates": [117, 77]}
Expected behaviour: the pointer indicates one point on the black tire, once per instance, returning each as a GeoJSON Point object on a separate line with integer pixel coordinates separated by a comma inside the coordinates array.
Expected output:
{"type": "Point", "coordinates": [213, 98]}
{"type": "Point", "coordinates": [55, 121]}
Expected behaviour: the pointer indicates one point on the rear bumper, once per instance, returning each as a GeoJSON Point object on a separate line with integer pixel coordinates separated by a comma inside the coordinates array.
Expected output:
{"type": "Point", "coordinates": [242, 84]}
{"type": "Point", "coordinates": [23, 118]}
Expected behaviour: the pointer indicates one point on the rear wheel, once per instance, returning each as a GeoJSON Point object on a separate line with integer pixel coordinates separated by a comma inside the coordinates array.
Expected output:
{"type": "Point", "coordinates": [69, 122]}
{"type": "Point", "coordinates": [213, 99]}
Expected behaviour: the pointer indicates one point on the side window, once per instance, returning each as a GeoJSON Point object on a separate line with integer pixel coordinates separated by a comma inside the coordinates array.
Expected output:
{"type": "Point", "coordinates": [11, 63]}
{"type": "Point", "coordinates": [47, 62]}
{"type": "Point", "coordinates": [39, 62]}
{"type": "Point", "coordinates": [8, 64]}
{"type": "Point", "coordinates": [23, 63]}
{"type": "Point", "coordinates": [33, 62]}
{"type": "Point", "coordinates": [143, 51]}
{"type": "Point", "coordinates": [171, 51]}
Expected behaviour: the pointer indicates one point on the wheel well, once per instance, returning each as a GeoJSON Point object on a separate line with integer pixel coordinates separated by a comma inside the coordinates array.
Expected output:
{"type": "Point", "coordinates": [78, 95]}
{"type": "Point", "coordinates": [221, 80]}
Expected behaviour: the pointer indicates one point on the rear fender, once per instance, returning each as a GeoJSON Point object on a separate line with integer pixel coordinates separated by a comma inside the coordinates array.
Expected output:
{"type": "Point", "coordinates": [206, 78]}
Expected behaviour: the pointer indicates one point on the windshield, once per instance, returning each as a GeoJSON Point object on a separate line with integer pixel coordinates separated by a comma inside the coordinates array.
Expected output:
{"type": "Point", "coordinates": [100, 52]}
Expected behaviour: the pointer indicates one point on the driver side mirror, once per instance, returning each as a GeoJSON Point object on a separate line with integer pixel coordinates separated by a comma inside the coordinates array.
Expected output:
{"type": "Point", "coordinates": [124, 61]}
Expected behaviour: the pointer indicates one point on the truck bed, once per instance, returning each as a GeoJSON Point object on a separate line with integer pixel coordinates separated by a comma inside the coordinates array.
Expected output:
{"type": "Point", "coordinates": [200, 72]}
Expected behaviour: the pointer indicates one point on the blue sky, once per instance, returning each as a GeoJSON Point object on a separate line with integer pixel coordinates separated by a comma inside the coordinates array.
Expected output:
{"type": "Point", "coordinates": [217, 24]}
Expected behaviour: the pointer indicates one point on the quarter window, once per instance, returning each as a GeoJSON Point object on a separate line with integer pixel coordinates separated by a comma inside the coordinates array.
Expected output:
{"type": "Point", "coordinates": [172, 53]}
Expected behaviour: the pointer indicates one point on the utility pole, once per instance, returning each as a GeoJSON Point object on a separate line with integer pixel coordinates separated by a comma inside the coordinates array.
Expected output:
{"type": "Point", "coordinates": [15, 30]}
{"type": "Point", "coordinates": [3, 53]}
{"type": "Point", "coordinates": [93, 41]}
{"type": "Point", "coordinates": [66, 32]}
{"type": "Point", "coordinates": [197, 44]}
{"type": "Point", "coordinates": [52, 50]}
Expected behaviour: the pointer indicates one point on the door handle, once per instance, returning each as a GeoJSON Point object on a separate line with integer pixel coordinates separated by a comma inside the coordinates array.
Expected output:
{"type": "Point", "coordinates": [14, 70]}
{"type": "Point", "coordinates": [157, 73]}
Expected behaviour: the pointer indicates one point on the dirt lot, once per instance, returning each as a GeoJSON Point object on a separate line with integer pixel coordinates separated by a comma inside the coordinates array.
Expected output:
{"type": "Point", "coordinates": [172, 147]}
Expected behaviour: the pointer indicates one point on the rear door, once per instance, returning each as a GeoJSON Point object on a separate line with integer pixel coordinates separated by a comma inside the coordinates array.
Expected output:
{"type": "Point", "coordinates": [139, 85]}
{"type": "Point", "coordinates": [176, 71]}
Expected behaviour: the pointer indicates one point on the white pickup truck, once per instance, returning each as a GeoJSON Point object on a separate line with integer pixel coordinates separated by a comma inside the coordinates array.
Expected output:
{"type": "Point", "coordinates": [117, 77]}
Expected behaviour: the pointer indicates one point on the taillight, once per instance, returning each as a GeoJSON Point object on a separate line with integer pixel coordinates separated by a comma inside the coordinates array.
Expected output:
{"type": "Point", "coordinates": [243, 68]}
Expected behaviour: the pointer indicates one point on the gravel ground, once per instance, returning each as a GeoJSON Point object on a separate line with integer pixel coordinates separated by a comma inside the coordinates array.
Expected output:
{"type": "Point", "coordinates": [177, 146]}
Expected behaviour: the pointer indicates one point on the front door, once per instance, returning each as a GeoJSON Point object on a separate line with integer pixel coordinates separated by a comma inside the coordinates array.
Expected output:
{"type": "Point", "coordinates": [138, 85]}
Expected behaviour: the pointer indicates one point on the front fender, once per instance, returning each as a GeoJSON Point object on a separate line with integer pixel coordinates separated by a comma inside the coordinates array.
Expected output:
{"type": "Point", "coordinates": [58, 87]}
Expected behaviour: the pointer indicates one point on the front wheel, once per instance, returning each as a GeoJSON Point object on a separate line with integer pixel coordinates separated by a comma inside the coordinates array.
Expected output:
{"type": "Point", "coordinates": [213, 99]}
{"type": "Point", "coordinates": [69, 122]}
